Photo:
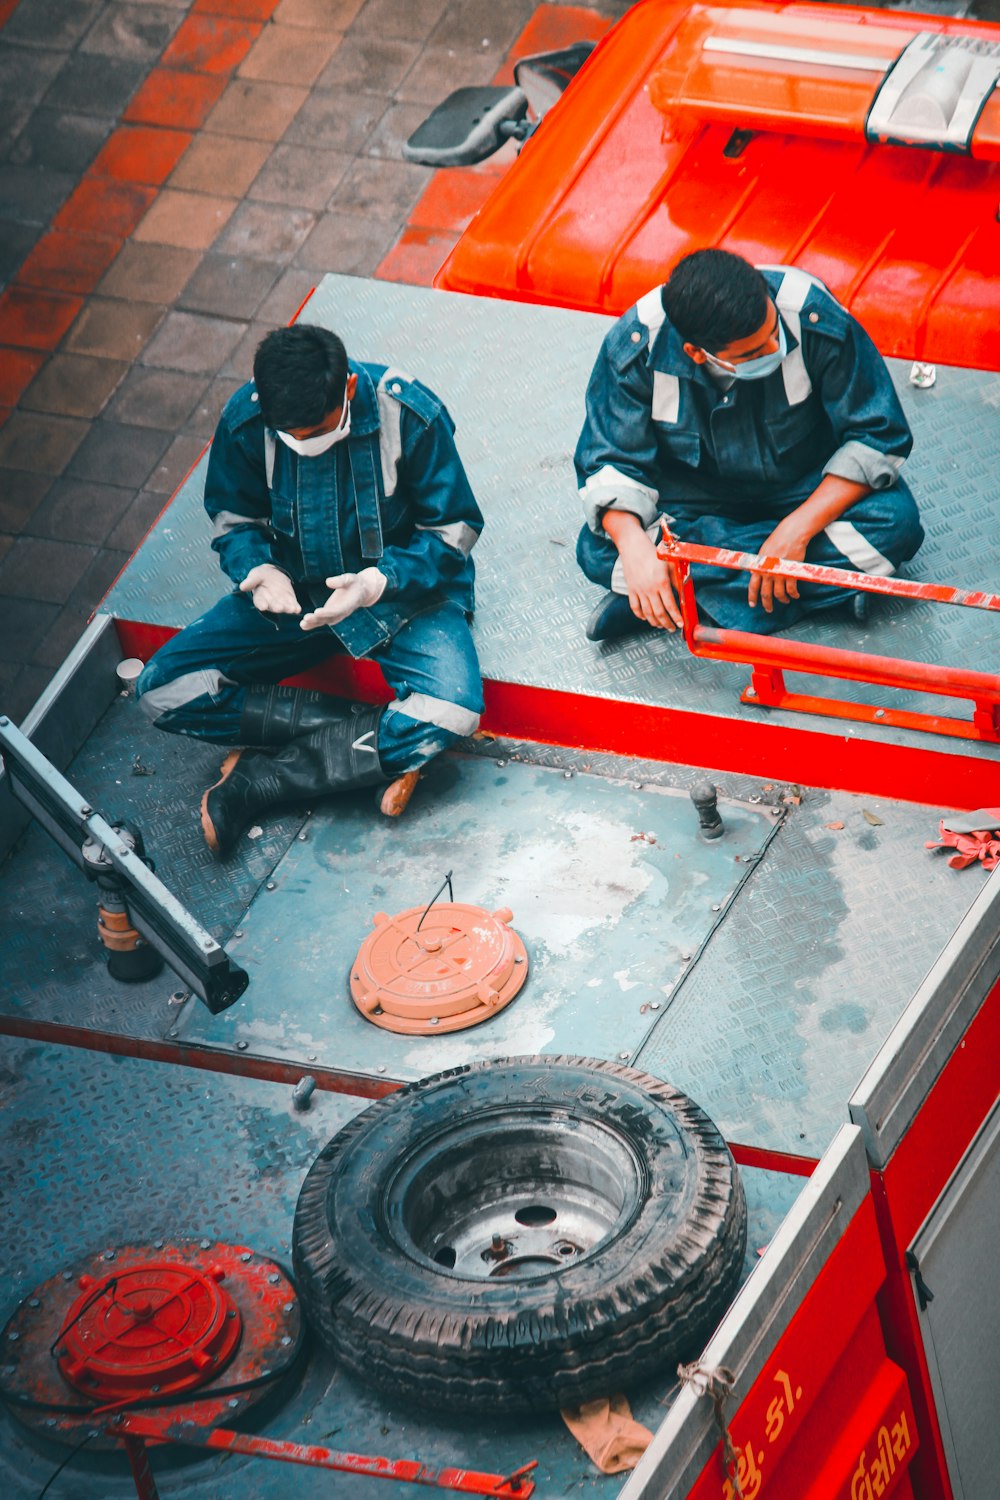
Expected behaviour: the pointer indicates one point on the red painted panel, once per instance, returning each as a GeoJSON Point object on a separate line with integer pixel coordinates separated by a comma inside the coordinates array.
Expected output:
{"type": "Point", "coordinates": [610, 194]}
{"type": "Point", "coordinates": [835, 1325]}
{"type": "Point", "coordinates": [842, 762]}
{"type": "Point", "coordinates": [906, 1192]}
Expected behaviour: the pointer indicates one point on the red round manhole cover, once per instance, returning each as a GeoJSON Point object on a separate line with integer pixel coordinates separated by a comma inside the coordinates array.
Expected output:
{"type": "Point", "coordinates": [438, 968]}
{"type": "Point", "coordinates": [154, 1327]}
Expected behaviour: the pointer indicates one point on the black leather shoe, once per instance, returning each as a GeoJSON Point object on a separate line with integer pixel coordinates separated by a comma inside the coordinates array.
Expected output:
{"type": "Point", "coordinates": [613, 619]}
{"type": "Point", "coordinates": [861, 608]}
{"type": "Point", "coordinates": [336, 758]}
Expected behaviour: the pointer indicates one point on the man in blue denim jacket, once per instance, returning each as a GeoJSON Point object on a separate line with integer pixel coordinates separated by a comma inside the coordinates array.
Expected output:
{"type": "Point", "coordinates": [752, 410]}
{"type": "Point", "coordinates": [344, 518]}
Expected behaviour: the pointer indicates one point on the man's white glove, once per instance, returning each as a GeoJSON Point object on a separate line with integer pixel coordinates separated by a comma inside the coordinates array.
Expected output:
{"type": "Point", "coordinates": [351, 591]}
{"type": "Point", "coordinates": [271, 590]}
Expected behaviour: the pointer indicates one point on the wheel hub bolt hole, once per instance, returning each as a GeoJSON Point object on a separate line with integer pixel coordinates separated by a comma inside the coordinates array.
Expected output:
{"type": "Point", "coordinates": [535, 1215]}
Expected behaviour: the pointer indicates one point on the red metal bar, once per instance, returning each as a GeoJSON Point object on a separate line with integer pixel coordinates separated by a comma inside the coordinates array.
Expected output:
{"type": "Point", "coordinates": [769, 657]}
{"type": "Point", "coordinates": [516, 1486]}
{"type": "Point", "coordinates": [142, 1474]}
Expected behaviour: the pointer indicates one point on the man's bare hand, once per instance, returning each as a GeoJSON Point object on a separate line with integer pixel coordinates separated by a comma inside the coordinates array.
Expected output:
{"type": "Point", "coordinates": [351, 591]}
{"type": "Point", "coordinates": [650, 590]}
{"type": "Point", "coordinates": [786, 540]}
{"type": "Point", "coordinates": [271, 590]}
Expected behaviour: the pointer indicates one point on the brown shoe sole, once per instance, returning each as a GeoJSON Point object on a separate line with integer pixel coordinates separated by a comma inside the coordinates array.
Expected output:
{"type": "Point", "coordinates": [207, 826]}
{"type": "Point", "coordinates": [393, 800]}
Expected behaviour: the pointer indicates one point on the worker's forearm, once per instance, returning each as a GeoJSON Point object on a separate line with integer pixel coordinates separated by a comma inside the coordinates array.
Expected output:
{"type": "Point", "coordinates": [626, 531]}
{"type": "Point", "coordinates": [828, 502]}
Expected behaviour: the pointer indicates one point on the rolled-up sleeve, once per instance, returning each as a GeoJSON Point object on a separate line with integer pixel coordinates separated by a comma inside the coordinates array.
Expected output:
{"type": "Point", "coordinates": [872, 434]}
{"type": "Point", "coordinates": [616, 457]}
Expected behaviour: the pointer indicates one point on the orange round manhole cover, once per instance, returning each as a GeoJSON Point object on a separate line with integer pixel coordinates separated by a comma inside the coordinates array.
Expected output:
{"type": "Point", "coordinates": [438, 968]}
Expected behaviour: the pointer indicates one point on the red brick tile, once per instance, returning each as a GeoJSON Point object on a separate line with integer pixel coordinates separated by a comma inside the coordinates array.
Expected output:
{"type": "Point", "coordinates": [552, 27]}
{"type": "Point", "coordinates": [32, 319]}
{"type": "Point", "coordinates": [67, 262]}
{"type": "Point", "coordinates": [141, 153]}
{"type": "Point", "coordinates": [168, 97]}
{"type": "Point", "coordinates": [452, 198]}
{"type": "Point", "coordinates": [247, 10]}
{"type": "Point", "coordinates": [211, 44]}
{"type": "Point", "coordinates": [416, 257]}
{"type": "Point", "coordinates": [17, 369]}
{"type": "Point", "coordinates": [100, 206]}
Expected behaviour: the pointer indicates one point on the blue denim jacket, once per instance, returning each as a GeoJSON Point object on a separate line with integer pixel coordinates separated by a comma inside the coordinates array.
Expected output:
{"type": "Point", "coordinates": [660, 428]}
{"type": "Point", "coordinates": [393, 495]}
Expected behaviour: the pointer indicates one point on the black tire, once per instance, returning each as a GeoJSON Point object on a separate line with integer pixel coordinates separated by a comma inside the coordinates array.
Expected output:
{"type": "Point", "coordinates": [492, 1331]}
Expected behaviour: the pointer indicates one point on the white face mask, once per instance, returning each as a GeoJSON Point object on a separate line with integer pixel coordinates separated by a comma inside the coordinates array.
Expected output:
{"type": "Point", "coordinates": [314, 446]}
{"type": "Point", "coordinates": [753, 369]}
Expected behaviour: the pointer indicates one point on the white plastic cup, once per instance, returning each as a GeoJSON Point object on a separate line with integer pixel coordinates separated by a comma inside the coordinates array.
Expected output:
{"type": "Point", "coordinates": [127, 672]}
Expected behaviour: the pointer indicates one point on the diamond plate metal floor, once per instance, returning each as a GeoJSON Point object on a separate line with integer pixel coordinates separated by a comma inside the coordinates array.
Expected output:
{"type": "Point", "coordinates": [149, 1150]}
{"type": "Point", "coordinates": [792, 986]}
{"type": "Point", "coordinates": [514, 378]}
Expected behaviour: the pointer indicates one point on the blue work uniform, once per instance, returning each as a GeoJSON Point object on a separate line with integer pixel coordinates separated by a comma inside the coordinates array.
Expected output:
{"type": "Point", "coordinates": [393, 495]}
{"type": "Point", "coordinates": [726, 459]}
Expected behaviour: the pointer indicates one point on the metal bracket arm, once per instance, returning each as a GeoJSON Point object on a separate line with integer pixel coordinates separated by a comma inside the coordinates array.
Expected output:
{"type": "Point", "coordinates": [770, 657]}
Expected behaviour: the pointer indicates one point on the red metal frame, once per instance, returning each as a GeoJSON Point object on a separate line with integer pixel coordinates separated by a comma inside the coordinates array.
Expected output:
{"type": "Point", "coordinates": [770, 657]}
{"type": "Point", "coordinates": [134, 1431]}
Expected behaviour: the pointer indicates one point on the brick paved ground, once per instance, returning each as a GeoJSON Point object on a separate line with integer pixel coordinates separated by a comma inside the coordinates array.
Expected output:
{"type": "Point", "coordinates": [175, 175]}
{"type": "Point", "coordinates": [174, 178]}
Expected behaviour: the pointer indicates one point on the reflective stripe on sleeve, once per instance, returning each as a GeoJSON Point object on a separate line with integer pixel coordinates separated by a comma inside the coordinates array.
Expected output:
{"type": "Point", "coordinates": [228, 520]}
{"type": "Point", "coordinates": [608, 488]}
{"type": "Point", "coordinates": [455, 534]}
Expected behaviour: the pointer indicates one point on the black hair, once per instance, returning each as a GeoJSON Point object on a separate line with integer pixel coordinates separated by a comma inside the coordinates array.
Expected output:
{"type": "Point", "coordinates": [301, 376]}
{"type": "Point", "coordinates": [714, 298]}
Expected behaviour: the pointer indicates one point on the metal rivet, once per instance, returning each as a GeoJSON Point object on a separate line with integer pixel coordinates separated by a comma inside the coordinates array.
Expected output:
{"type": "Point", "coordinates": [433, 1021]}
{"type": "Point", "coordinates": [624, 1056]}
{"type": "Point", "coordinates": [264, 1374]}
{"type": "Point", "coordinates": [234, 1402]}
{"type": "Point", "coordinates": [303, 837]}
{"type": "Point", "coordinates": [270, 885]}
{"type": "Point", "coordinates": [880, 713]}
{"type": "Point", "coordinates": [519, 958]}
{"type": "Point", "coordinates": [380, 1068]}
{"type": "Point", "coordinates": [13, 1336]}
{"type": "Point", "coordinates": [157, 1244]}
{"type": "Point", "coordinates": [34, 1302]}
{"type": "Point", "coordinates": [154, 1389]}
{"type": "Point", "coordinates": [288, 1307]}
{"type": "Point", "coordinates": [716, 907]}
{"type": "Point", "coordinates": [247, 1255]}
{"type": "Point", "coordinates": [274, 1278]}
{"type": "Point", "coordinates": [67, 1276]}
{"type": "Point", "coordinates": [242, 1046]}
{"type": "Point", "coordinates": [751, 692]}
{"type": "Point", "coordinates": [285, 1340]}
{"type": "Point", "coordinates": [174, 1032]}
{"type": "Point", "coordinates": [109, 1254]}
{"type": "Point", "coordinates": [238, 932]}
{"type": "Point", "coordinates": [313, 1056]}
{"type": "Point", "coordinates": [654, 1004]}
{"type": "Point", "coordinates": [567, 776]}
{"type": "Point", "coordinates": [205, 1244]}
{"type": "Point", "coordinates": [500, 762]}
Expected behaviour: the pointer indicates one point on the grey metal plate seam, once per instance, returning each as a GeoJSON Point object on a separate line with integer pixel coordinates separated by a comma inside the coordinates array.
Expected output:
{"type": "Point", "coordinates": [760, 1314]}
{"type": "Point", "coordinates": [913, 1055]}
{"type": "Point", "coordinates": [66, 713]}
